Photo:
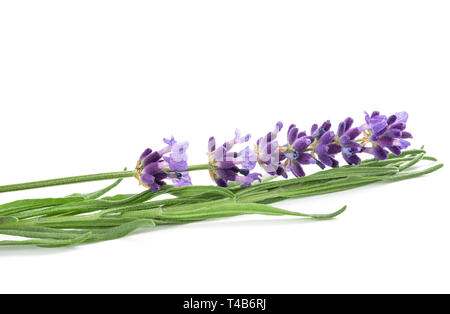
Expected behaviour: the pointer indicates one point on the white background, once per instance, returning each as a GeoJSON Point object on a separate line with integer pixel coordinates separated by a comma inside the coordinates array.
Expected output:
{"type": "Point", "coordinates": [85, 86]}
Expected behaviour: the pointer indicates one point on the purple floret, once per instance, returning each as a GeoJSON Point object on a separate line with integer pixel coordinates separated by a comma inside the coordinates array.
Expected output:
{"type": "Point", "coordinates": [227, 165]}
{"type": "Point", "coordinates": [346, 136]}
{"type": "Point", "coordinates": [324, 145]}
{"type": "Point", "coordinates": [385, 134]}
{"type": "Point", "coordinates": [295, 151]}
{"type": "Point", "coordinates": [269, 155]}
{"type": "Point", "coordinates": [326, 149]}
{"type": "Point", "coordinates": [151, 164]}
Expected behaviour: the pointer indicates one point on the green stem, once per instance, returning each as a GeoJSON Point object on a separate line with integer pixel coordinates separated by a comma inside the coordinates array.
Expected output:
{"type": "Point", "coordinates": [67, 180]}
{"type": "Point", "coordinates": [81, 179]}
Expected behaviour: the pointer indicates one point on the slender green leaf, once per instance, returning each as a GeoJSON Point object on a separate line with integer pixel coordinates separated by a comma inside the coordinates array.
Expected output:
{"type": "Point", "coordinates": [27, 204]}
{"type": "Point", "coordinates": [234, 209]}
{"type": "Point", "coordinates": [80, 222]}
{"type": "Point", "coordinates": [47, 242]}
{"type": "Point", "coordinates": [322, 177]}
{"type": "Point", "coordinates": [411, 163]}
{"type": "Point", "coordinates": [40, 232]}
{"type": "Point", "coordinates": [99, 193]}
{"type": "Point", "coordinates": [119, 231]}
{"type": "Point", "coordinates": [7, 220]}
{"type": "Point", "coordinates": [414, 174]}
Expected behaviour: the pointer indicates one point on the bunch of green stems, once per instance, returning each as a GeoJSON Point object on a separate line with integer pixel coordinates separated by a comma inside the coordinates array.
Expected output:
{"type": "Point", "coordinates": [87, 218]}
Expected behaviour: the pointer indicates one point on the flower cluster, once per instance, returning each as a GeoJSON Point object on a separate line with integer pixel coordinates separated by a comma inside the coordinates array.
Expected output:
{"type": "Point", "coordinates": [227, 165]}
{"type": "Point", "coordinates": [269, 155]}
{"type": "Point", "coordinates": [155, 166]}
{"type": "Point", "coordinates": [385, 133]}
{"type": "Point", "coordinates": [380, 134]}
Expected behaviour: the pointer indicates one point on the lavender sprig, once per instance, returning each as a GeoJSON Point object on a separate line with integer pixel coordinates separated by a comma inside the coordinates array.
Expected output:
{"type": "Point", "coordinates": [119, 220]}
{"type": "Point", "coordinates": [84, 218]}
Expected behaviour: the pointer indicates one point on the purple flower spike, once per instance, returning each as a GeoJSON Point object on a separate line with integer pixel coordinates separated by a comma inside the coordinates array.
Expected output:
{"type": "Point", "coordinates": [268, 154]}
{"type": "Point", "coordinates": [226, 165]}
{"type": "Point", "coordinates": [385, 134]}
{"type": "Point", "coordinates": [345, 138]}
{"type": "Point", "coordinates": [151, 164]}
{"type": "Point", "coordinates": [295, 152]}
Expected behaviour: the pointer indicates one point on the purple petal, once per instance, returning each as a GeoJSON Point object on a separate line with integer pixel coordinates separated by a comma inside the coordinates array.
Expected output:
{"type": "Point", "coordinates": [221, 182]}
{"type": "Point", "coordinates": [226, 174]}
{"type": "Point", "coordinates": [238, 139]}
{"type": "Point", "coordinates": [301, 144]}
{"type": "Point", "coordinates": [348, 123]}
{"type": "Point", "coordinates": [354, 146]}
{"type": "Point", "coordinates": [170, 141]}
{"type": "Point", "coordinates": [380, 153]}
{"type": "Point", "coordinates": [305, 159]}
{"type": "Point", "coordinates": [367, 117]}
{"type": "Point", "coordinates": [344, 140]}
{"type": "Point", "coordinates": [327, 160]}
{"type": "Point", "coordinates": [402, 116]}
{"type": "Point", "coordinates": [341, 129]}
{"type": "Point", "coordinates": [211, 144]}
{"type": "Point", "coordinates": [379, 127]}
{"type": "Point", "coordinates": [249, 179]}
{"type": "Point", "coordinates": [326, 138]}
{"type": "Point", "coordinates": [395, 133]}
{"type": "Point", "coordinates": [292, 135]}
{"type": "Point", "coordinates": [395, 150]}
{"type": "Point", "coordinates": [145, 153]}
{"type": "Point", "coordinates": [152, 157]}
{"type": "Point", "coordinates": [249, 158]}
{"type": "Point", "coordinates": [279, 126]}
{"type": "Point", "coordinates": [333, 149]}
{"type": "Point", "coordinates": [297, 169]}
{"type": "Point", "coordinates": [399, 125]}
{"type": "Point", "coordinates": [406, 135]}
{"type": "Point", "coordinates": [352, 160]}
{"type": "Point", "coordinates": [281, 172]}
{"type": "Point", "coordinates": [402, 143]}
{"type": "Point", "coordinates": [176, 165]}
{"type": "Point", "coordinates": [226, 165]}
{"type": "Point", "coordinates": [321, 149]}
{"type": "Point", "coordinates": [391, 119]}
{"type": "Point", "coordinates": [326, 125]}
{"type": "Point", "coordinates": [159, 176]}
{"type": "Point", "coordinates": [152, 168]}
{"type": "Point", "coordinates": [385, 140]}
{"type": "Point", "coordinates": [335, 163]}
{"type": "Point", "coordinates": [147, 179]}
{"type": "Point", "coordinates": [181, 179]}
{"type": "Point", "coordinates": [353, 133]}
{"type": "Point", "coordinates": [301, 134]}
{"type": "Point", "coordinates": [290, 127]}
{"type": "Point", "coordinates": [178, 158]}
